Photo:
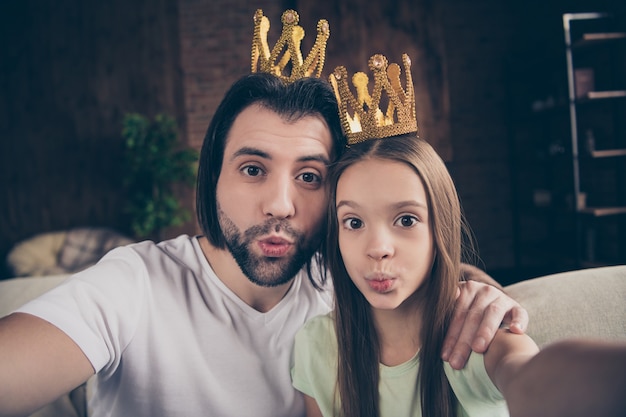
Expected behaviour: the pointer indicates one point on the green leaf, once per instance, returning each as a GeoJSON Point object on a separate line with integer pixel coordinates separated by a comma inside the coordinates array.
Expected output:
{"type": "Point", "coordinates": [155, 162]}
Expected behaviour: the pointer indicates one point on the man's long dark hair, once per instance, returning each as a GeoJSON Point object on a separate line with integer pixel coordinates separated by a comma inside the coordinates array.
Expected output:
{"type": "Point", "coordinates": [302, 98]}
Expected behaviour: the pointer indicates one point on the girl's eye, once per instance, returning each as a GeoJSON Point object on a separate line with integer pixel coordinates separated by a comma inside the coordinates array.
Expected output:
{"type": "Point", "coordinates": [251, 170]}
{"type": "Point", "coordinates": [352, 223]}
{"type": "Point", "coordinates": [310, 177]}
{"type": "Point", "coordinates": [406, 221]}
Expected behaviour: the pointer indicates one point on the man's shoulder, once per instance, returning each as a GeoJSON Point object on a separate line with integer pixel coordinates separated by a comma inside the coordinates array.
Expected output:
{"type": "Point", "coordinates": [180, 249]}
{"type": "Point", "coordinates": [318, 273]}
{"type": "Point", "coordinates": [318, 293]}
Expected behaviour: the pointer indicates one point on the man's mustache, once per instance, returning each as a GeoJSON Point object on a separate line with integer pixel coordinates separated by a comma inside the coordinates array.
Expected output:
{"type": "Point", "coordinates": [270, 225]}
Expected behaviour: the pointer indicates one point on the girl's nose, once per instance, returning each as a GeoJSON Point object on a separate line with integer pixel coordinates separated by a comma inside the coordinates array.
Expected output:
{"type": "Point", "coordinates": [380, 246]}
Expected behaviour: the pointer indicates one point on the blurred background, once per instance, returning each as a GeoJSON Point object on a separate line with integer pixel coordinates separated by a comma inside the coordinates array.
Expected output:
{"type": "Point", "coordinates": [485, 72]}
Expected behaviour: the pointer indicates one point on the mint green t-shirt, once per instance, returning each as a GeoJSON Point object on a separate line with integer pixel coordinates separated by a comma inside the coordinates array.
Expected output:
{"type": "Point", "coordinates": [314, 372]}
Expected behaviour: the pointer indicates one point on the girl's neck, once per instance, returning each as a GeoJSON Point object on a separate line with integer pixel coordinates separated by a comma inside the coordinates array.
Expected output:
{"type": "Point", "coordinates": [399, 332]}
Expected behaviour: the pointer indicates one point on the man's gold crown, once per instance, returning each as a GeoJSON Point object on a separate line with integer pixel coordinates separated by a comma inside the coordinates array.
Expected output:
{"type": "Point", "coordinates": [368, 120]}
{"type": "Point", "coordinates": [285, 59]}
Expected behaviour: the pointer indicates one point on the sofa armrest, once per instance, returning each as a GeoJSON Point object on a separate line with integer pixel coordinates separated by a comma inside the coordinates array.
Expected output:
{"type": "Point", "coordinates": [16, 292]}
{"type": "Point", "coordinates": [13, 294]}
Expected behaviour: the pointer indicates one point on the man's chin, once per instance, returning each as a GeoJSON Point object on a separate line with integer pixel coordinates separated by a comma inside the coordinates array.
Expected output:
{"type": "Point", "coordinates": [272, 271]}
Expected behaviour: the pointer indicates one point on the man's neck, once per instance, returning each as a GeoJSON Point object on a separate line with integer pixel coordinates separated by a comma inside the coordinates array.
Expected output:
{"type": "Point", "coordinates": [262, 299]}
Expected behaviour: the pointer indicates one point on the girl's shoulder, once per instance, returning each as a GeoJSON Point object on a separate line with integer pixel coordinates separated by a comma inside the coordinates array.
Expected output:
{"type": "Point", "coordinates": [318, 332]}
{"type": "Point", "coordinates": [318, 325]}
{"type": "Point", "coordinates": [476, 393]}
{"type": "Point", "coordinates": [316, 343]}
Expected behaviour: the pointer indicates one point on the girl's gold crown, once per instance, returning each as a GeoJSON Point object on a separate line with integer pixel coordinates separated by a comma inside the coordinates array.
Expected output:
{"type": "Point", "coordinates": [368, 121]}
{"type": "Point", "coordinates": [285, 59]}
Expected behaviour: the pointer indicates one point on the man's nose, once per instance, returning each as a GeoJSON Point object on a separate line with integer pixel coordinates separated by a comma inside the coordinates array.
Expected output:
{"type": "Point", "coordinates": [279, 198]}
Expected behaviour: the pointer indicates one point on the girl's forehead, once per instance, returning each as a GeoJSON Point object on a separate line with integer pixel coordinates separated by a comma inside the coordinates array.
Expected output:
{"type": "Point", "coordinates": [379, 179]}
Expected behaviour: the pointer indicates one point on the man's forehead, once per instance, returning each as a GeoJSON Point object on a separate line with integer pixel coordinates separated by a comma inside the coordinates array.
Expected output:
{"type": "Point", "coordinates": [263, 132]}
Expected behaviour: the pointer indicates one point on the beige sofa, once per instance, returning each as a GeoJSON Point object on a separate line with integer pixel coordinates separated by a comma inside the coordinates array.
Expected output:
{"type": "Point", "coordinates": [584, 303]}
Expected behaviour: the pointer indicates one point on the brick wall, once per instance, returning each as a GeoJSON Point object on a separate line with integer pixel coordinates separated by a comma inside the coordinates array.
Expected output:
{"type": "Point", "coordinates": [216, 39]}
{"type": "Point", "coordinates": [73, 68]}
{"type": "Point", "coordinates": [477, 36]}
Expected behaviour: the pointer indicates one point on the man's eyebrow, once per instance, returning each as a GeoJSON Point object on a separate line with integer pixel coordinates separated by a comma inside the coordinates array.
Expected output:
{"type": "Point", "coordinates": [318, 157]}
{"type": "Point", "coordinates": [247, 150]}
{"type": "Point", "coordinates": [250, 151]}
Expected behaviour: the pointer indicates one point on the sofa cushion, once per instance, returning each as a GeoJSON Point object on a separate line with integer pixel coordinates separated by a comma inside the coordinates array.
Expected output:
{"type": "Point", "coordinates": [63, 252]}
{"type": "Point", "coordinates": [582, 303]}
{"type": "Point", "coordinates": [37, 255]}
{"type": "Point", "coordinates": [85, 246]}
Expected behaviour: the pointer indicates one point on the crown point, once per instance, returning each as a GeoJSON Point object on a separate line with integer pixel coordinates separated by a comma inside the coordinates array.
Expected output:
{"type": "Point", "coordinates": [285, 58]}
{"type": "Point", "coordinates": [290, 17]}
{"type": "Point", "coordinates": [324, 27]}
{"type": "Point", "coordinates": [378, 62]}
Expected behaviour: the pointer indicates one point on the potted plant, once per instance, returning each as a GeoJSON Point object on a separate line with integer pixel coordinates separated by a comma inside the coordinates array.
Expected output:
{"type": "Point", "coordinates": [156, 164]}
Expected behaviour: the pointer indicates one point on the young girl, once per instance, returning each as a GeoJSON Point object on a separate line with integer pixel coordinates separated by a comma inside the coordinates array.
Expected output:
{"type": "Point", "coordinates": [394, 250]}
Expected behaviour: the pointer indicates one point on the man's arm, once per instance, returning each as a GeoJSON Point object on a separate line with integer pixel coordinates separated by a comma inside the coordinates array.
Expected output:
{"type": "Point", "coordinates": [38, 363]}
{"type": "Point", "coordinates": [479, 311]}
{"type": "Point", "coordinates": [472, 273]}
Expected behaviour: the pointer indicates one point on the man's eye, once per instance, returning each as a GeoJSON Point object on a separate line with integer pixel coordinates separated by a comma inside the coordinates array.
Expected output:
{"type": "Point", "coordinates": [310, 177]}
{"type": "Point", "coordinates": [352, 223]}
{"type": "Point", "coordinates": [406, 221]}
{"type": "Point", "coordinates": [251, 170]}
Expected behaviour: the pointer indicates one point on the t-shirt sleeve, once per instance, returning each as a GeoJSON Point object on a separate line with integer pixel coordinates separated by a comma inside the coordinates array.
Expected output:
{"type": "Point", "coordinates": [314, 366]}
{"type": "Point", "coordinates": [98, 308]}
{"type": "Point", "coordinates": [474, 389]}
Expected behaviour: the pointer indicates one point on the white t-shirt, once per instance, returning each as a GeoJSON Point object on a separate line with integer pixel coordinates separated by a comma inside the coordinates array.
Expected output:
{"type": "Point", "coordinates": [168, 338]}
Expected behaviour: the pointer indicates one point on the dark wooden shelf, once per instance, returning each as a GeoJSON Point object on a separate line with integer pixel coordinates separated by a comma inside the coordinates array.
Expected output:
{"type": "Point", "coordinates": [607, 153]}
{"type": "Point", "coordinates": [597, 37]}
{"type": "Point", "coordinates": [599, 95]}
{"type": "Point", "coordinates": [602, 211]}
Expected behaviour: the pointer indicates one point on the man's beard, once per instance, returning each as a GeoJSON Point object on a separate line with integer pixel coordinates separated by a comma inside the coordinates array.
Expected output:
{"type": "Point", "coordinates": [262, 270]}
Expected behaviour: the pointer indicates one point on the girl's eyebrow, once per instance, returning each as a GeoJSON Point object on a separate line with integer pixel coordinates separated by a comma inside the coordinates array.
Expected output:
{"type": "Point", "coordinates": [414, 203]}
{"type": "Point", "coordinates": [347, 203]}
{"type": "Point", "coordinates": [398, 205]}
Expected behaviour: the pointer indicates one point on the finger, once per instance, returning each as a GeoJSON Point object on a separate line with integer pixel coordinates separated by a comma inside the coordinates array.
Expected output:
{"type": "Point", "coordinates": [489, 324]}
{"type": "Point", "coordinates": [463, 346]}
{"type": "Point", "coordinates": [482, 314]}
{"type": "Point", "coordinates": [518, 322]}
{"type": "Point", "coordinates": [462, 305]}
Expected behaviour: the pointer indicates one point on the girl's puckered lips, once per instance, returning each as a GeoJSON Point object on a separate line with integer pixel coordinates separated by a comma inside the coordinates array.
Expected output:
{"type": "Point", "coordinates": [380, 282]}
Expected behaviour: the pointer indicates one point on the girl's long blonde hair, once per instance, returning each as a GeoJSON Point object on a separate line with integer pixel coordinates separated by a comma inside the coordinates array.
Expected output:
{"type": "Point", "coordinates": [359, 353]}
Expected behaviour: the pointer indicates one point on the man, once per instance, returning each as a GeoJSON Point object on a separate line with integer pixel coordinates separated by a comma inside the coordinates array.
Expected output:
{"type": "Point", "coordinates": [205, 325]}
